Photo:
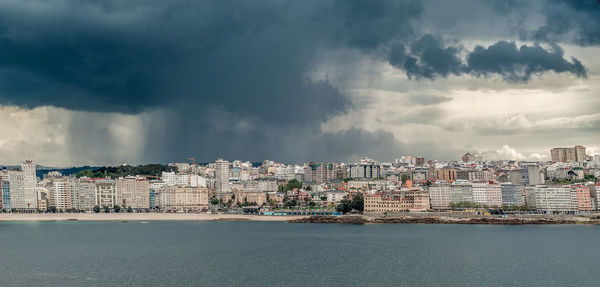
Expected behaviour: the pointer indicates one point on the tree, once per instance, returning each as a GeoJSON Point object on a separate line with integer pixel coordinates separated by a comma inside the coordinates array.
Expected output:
{"type": "Point", "coordinates": [116, 208]}
{"type": "Point", "coordinates": [214, 201]}
{"type": "Point", "coordinates": [404, 177]}
{"type": "Point", "coordinates": [96, 209]}
{"type": "Point", "coordinates": [290, 185]}
{"type": "Point", "coordinates": [129, 209]}
{"type": "Point", "coordinates": [106, 209]}
{"type": "Point", "coordinates": [358, 202]}
{"type": "Point", "coordinates": [124, 170]}
{"type": "Point", "coordinates": [291, 203]}
{"type": "Point", "coordinates": [293, 183]}
{"type": "Point", "coordinates": [344, 206]}
{"type": "Point", "coordinates": [312, 204]}
{"type": "Point", "coordinates": [52, 209]}
{"type": "Point", "coordinates": [467, 204]}
{"type": "Point", "coordinates": [272, 203]}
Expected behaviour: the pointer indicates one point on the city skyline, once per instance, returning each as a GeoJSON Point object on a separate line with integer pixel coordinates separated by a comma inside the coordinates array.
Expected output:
{"type": "Point", "coordinates": [299, 142]}
{"type": "Point", "coordinates": [576, 154]}
{"type": "Point", "coordinates": [296, 80]}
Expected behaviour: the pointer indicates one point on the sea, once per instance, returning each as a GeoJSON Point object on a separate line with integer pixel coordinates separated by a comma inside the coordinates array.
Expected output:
{"type": "Point", "coordinates": [186, 253]}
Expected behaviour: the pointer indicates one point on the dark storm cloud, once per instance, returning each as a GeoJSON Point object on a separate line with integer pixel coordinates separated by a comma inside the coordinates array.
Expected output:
{"type": "Point", "coordinates": [519, 64]}
{"type": "Point", "coordinates": [229, 78]}
{"type": "Point", "coordinates": [369, 24]}
{"type": "Point", "coordinates": [575, 21]}
{"type": "Point", "coordinates": [247, 59]}
{"type": "Point", "coordinates": [430, 57]}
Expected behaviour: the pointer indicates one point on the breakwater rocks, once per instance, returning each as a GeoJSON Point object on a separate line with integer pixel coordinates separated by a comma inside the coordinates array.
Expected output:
{"type": "Point", "coordinates": [361, 219]}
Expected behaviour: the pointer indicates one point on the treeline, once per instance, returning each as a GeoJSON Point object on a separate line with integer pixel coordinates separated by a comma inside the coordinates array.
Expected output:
{"type": "Point", "coordinates": [124, 170]}
{"type": "Point", "coordinates": [586, 178]}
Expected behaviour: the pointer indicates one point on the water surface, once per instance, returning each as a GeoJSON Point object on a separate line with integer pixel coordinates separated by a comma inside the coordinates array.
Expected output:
{"type": "Point", "coordinates": [286, 254]}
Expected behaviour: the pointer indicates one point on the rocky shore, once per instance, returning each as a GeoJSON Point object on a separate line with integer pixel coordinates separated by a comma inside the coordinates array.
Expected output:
{"type": "Point", "coordinates": [362, 219]}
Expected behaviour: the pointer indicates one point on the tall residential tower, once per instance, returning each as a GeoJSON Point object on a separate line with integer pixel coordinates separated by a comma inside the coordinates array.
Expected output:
{"type": "Point", "coordinates": [221, 178]}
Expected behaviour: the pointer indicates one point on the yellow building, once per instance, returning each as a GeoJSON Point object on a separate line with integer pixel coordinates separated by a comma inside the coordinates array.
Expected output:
{"type": "Point", "coordinates": [42, 204]}
{"type": "Point", "coordinates": [182, 199]}
{"type": "Point", "coordinates": [397, 201]}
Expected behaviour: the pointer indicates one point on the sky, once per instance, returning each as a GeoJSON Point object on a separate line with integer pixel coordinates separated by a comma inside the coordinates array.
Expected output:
{"type": "Point", "coordinates": [110, 82]}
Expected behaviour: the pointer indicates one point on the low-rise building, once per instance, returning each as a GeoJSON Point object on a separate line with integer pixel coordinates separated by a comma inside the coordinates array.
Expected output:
{"type": "Point", "coordinates": [367, 184]}
{"type": "Point", "coordinates": [250, 196]}
{"type": "Point", "coordinates": [440, 195]}
{"type": "Point", "coordinates": [182, 198]}
{"type": "Point", "coordinates": [334, 196]}
{"type": "Point", "coordinates": [551, 199]}
{"type": "Point", "coordinates": [397, 201]}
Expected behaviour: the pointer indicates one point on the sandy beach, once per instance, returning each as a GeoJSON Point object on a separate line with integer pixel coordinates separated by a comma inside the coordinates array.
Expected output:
{"type": "Point", "coordinates": [139, 217]}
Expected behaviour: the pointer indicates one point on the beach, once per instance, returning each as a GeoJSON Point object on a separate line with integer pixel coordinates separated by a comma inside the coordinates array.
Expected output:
{"type": "Point", "coordinates": [139, 217]}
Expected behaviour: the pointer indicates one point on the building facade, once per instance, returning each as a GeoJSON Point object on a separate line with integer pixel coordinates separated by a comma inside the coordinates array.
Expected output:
{"type": "Point", "coordinates": [132, 192]}
{"type": "Point", "coordinates": [182, 198]}
{"type": "Point", "coordinates": [222, 188]}
{"type": "Point", "coordinates": [512, 194]}
{"type": "Point", "coordinates": [60, 193]}
{"type": "Point", "coordinates": [415, 200]}
{"type": "Point", "coordinates": [440, 195]}
{"type": "Point", "coordinates": [461, 192]}
{"type": "Point", "coordinates": [105, 193]}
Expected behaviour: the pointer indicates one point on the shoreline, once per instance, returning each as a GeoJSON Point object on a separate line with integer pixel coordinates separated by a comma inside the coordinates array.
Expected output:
{"type": "Point", "coordinates": [340, 219]}
{"type": "Point", "coordinates": [450, 219]}
{"type": "Point", "coordinates": [33, 217]}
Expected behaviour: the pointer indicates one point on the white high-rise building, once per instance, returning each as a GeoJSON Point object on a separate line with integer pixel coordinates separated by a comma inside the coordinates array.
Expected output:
{"type": "Point", "coordinates": [221, 178]}
{"type": "Point", "coordinates": [23, 187]}
{"type": "Point", "coordinates": [479, 192]}
{"type": "Point", "coordinates": [61, 194]}
{"type": "Point", "coordinates": [178, 179]}
{"type": "Point", "coordinates": [86, 193]}
{"type": "Point", "coordinates": [17, 195]}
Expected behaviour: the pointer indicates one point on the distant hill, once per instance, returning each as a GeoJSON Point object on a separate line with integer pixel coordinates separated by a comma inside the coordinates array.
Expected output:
{"type": "Point", "coordinates": [42, 170]}
{"type": "Point", "coordinates": [150, 170]}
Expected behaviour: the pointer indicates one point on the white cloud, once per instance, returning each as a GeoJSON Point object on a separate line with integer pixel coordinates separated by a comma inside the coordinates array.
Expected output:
{"type": "Point", "coordinates": [58, 137]}
{"type": "Point", "coordinates": [509, 153]}
{"type": "Point", "coordinates": [592, 150]}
